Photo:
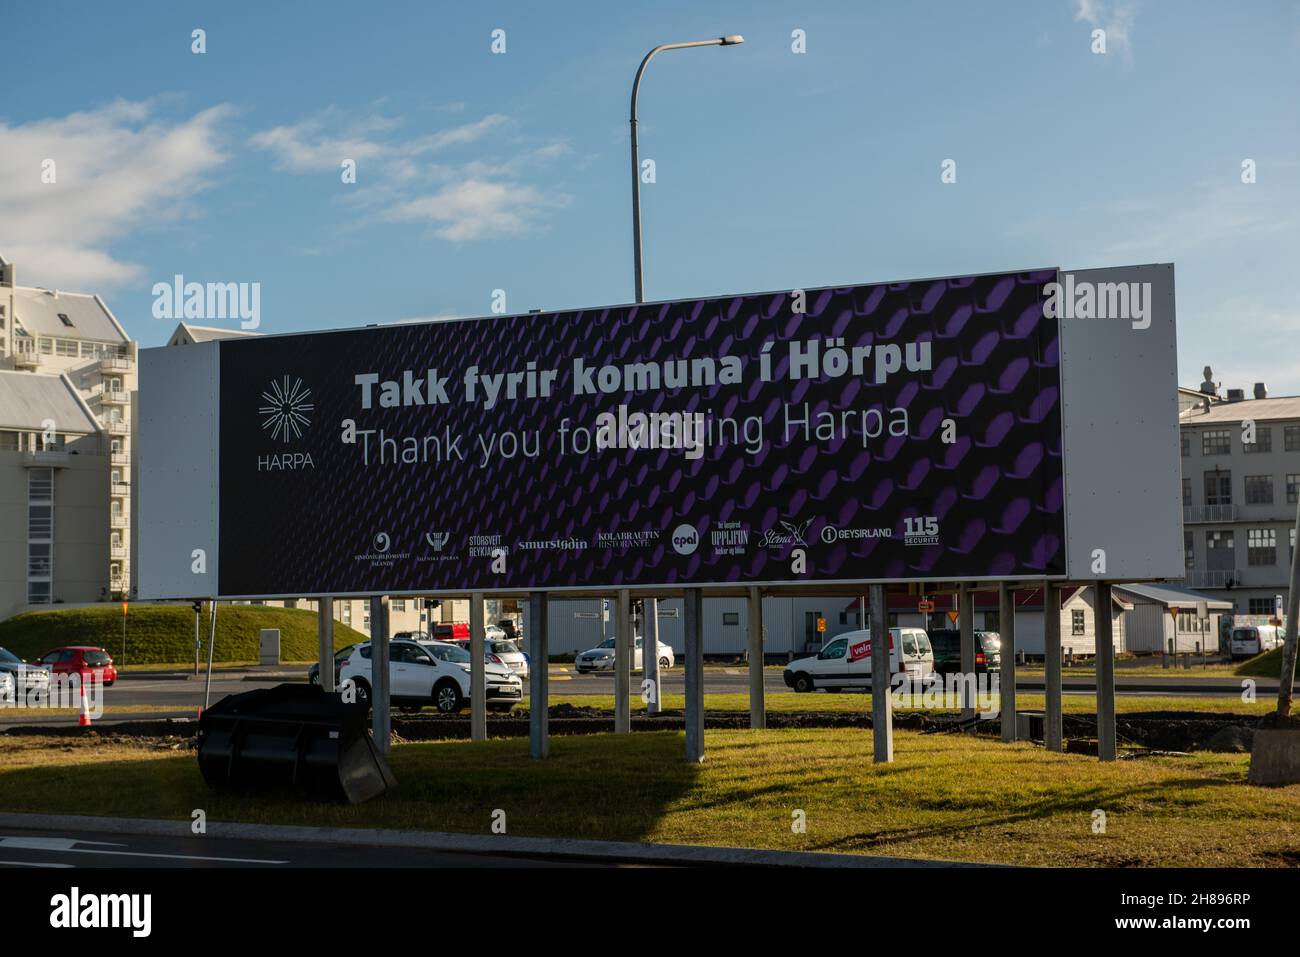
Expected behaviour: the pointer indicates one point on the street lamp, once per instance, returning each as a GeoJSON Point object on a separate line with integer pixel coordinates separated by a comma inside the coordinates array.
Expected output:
{"type": "Point", "coordinates": [650, 616]}
{"type": "Point", "coordinates": [727, 41]}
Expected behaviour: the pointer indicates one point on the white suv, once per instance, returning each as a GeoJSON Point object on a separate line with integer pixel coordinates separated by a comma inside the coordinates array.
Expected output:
{"type": "Point", "coordinates": [845, 661]}
{"type": "Point", "coordinates": [431, 672]}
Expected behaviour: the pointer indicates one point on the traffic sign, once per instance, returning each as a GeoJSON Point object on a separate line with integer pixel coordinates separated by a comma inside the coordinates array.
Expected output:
{"type": "Point", "coordinates": [925, 606]}
{"type": "Point", "coordinates": [953, 616]}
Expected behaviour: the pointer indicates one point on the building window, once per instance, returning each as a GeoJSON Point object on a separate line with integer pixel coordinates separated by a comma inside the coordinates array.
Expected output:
{"type": "Point", "coordinates": [1185, 442]}
{"type": "Point", "coordinates": [1218, 488]}
{"type": "Point", "coordinates": [1261, 606]}
{"type": "Point", "coordinates": [397, 605]}
{"type": "Point", "coordinates": [1187, 491]}
{"type": "Point", "coordinates": [1259, 490]}
{"type": "Point", "coordinates": [1263, 441]}
{"type": "Point", "coordinates": [731, 618]}
{"type": "Point", "coordinates": [1189, 551]}
{"type": "Point", "coordinates": [1291, 438]}
{"type": "Point", "coordinates": [47, 347]}
{"type": "Point", "coordinates": [1293, 487]}
{"type": "Point", "coordinates": [1216, 442]}
{"type": "Point", "coordinates": [8, 441]}
{"type": "Point", "coordinates": [40, 535]}
{"type": "Point", "coordinates": [39, 560]}
{"type": "Point", "coordinates": [1261, 546]}
{"type": "Point", "coordinates": [1076, 622]}
{"type": "Point", "coordinates": [346, 608]}
{"type": "Point", "coordinates": [1220, 551]}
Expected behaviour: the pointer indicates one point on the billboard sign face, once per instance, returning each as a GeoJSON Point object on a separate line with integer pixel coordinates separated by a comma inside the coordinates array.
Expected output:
{"type": "Point", "coordinates": [887, 432]}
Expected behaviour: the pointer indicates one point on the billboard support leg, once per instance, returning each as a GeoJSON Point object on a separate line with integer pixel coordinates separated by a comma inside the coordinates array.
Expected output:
{"type": "Point", "coordinates": [1052, 725]}
{"type": "Point", "coordinates": [1007, 675]}
{"type": "Point", "coordinates": [882, 706]}
{"type": "Point", "coordinates": [325, 642]}
{"type": "Point", "coordinates": [650, 654]}
{"type": "Point", "coordinates": [477, 670]}
{"type": "Point", "coordinates": [1105, 673]}
{"type": "Point", "coordinates": [757, 707]}
{"type": "Point", "coordinates": [966, 632]}
{"type": "Point", "coordinates": [692, 619]}
{"type": "Point", "coordinates": [381, 693]}
{"type": "Point", "coordinates": [623, 653]}
{"type": "Point", "coordinates": [538, 676]}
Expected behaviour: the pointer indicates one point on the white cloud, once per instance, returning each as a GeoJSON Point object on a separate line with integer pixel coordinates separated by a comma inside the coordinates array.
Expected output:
{"type": "Point", "coordinates": [1115, 17]}
{"type": "Point", "coordinates": [118, 169]}
{"type": "Point", "coordinates": [399, 179]}
{"type": "Point", "coordinates": [479, 209]}
{"type": "Point", "coordinates": [316, 144]}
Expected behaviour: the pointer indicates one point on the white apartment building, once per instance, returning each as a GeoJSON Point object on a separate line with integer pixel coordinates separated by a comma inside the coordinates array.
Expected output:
{"type": "Point", "coordinates": [52, 333]}
{"type": "Point", "coordinates": [1240, 496]}
{"type": "Point", "coordinates": [54, 494]}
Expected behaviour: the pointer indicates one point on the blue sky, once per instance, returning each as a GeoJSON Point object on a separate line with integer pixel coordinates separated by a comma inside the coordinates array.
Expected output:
{"type": "Point", "coordinates": [478, 171]}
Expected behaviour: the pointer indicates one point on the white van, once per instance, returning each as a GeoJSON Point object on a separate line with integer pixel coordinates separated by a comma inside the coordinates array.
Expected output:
{"type": "Point", "coordinates": [845, 661]}
{"type": "Point", "coordinates": [1250, 640]}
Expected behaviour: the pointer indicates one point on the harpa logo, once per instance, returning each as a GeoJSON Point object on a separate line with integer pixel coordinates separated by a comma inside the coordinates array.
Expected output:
{"type": "Point", "coordinates": [286, 408]}
{"type": "Point", "coordinates": [685, 539]}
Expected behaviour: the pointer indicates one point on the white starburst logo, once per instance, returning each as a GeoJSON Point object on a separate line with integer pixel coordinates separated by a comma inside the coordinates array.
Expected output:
{"type": "Point", "coordinates": [285, 408]}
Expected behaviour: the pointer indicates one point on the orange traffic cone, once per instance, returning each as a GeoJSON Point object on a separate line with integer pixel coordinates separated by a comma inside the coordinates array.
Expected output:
{"type": "Point", "coordinates": [84, 720]}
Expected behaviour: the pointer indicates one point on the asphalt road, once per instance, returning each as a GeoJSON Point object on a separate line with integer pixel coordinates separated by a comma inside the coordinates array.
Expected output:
{"type": "Point", "coordinates": [170, 697]}
{"type": "Point", "coordinates": [65, 849]}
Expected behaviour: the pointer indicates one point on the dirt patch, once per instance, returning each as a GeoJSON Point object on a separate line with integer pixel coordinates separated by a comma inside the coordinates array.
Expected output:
{"type": "Point", "coordinates": [1173, 731]}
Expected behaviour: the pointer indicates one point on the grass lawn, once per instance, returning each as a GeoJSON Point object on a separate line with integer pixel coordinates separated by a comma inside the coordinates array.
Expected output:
{"type": "Point", "coordinates": [947, 796]}
{"type": "Point", "coordinates": [164, 634]}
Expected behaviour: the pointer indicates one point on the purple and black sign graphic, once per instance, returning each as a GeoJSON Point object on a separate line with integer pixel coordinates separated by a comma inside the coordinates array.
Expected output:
{"type": "Point", "coordinates": [900, 431]}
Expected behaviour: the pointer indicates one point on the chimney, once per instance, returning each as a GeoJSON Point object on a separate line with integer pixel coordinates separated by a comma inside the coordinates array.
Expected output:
{"type": "Point", "coordinates": [1236, 395]}
{"type": "Point", "coordinates": [1261, 390]}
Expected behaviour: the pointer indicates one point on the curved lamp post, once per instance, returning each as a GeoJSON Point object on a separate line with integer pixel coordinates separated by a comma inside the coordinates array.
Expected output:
{"type": "Point", "coordinates": [726, 41]}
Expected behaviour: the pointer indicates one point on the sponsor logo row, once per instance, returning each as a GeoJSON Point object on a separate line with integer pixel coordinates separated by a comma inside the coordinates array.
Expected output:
{"type": "Point", "coordinates": [724, 539]}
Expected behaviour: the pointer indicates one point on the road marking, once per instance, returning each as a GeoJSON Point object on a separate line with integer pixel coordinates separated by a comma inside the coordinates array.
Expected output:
{"type": "Point", "coordinates": [31, 864]}
{"type": "Point", "coordinates": [50, 843]}
{"type": "Point", "coordinates": [62, 846]}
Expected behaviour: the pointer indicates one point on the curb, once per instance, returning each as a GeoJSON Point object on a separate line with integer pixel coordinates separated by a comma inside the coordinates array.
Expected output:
{"type": "Point", "coordinates": [569, 849]}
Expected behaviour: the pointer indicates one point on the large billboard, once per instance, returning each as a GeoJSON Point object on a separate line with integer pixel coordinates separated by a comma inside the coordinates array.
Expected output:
{"type": "Point", "coordinates": [908, 431]}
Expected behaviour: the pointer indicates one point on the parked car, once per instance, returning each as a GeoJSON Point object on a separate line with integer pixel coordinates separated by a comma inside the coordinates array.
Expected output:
{"type": "Point", "coordinates": [18, 679]}
{"type": "Point", "coordinates": [501, 651]}
{"type": "Point", "coordinates": [845, 661]}
{"type": "Point", "coordinates": [1247, 641]}
{"type": "Point", "coordinates": [601, 658]}
{"type": "Point", "coordinates": [431, 673]}
{"type": "Point", "coordinates": [947, 650]}
{"type": "Point", "coordinates": [313, 673]}
{"type": "Point", "coordinates": [85, 660]}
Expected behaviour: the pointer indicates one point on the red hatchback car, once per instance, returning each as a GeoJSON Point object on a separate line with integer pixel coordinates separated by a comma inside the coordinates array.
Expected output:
{"type": "Point", "coordinates": [82, 659]}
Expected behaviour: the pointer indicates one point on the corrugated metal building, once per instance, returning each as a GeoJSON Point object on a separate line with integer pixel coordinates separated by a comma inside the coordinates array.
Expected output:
{"type": "Point", "coordinates": [1151, 626]}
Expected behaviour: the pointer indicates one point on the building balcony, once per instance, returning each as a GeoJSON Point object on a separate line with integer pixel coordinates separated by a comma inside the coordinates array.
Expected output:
{"type": "Point", "coordinates": [114, 364]}
{"type": "Point", "coordinates": [120, 489]}
{"type": "Point", "coordinates": [26, 360]}
{"type": "Point", "coordinates": [1202, 514]}
{"type": "Point", "coordinates": [118, 551]}
{"type": "Point", "coordinates": [117, 427]}
{"type": "Point", "coordinates": [114, 397]}
{"type": "Point", "coordinates": [120, 458]}
{"type": "Point", "coordinates": [1213, 578]}
{"type": "Point", "coordinates": [117, 584]}
{"type": "Point", "coordinates": [118, 521]}
{"type": "Point", "coordinates": [48, 459]}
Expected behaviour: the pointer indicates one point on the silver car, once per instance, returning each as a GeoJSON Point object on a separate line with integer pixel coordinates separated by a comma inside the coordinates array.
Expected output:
{"type": "Point", "coordinates": [601, 658]}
